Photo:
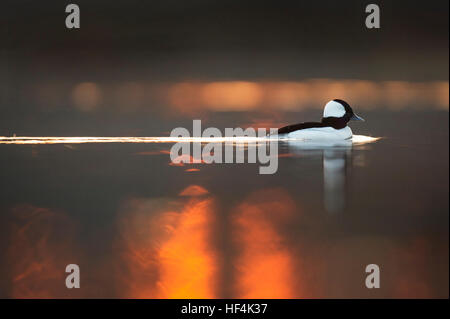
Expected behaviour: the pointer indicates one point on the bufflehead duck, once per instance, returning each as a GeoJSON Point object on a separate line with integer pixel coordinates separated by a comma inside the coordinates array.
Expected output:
{"type": "Point", "coordinates": [336, 115]}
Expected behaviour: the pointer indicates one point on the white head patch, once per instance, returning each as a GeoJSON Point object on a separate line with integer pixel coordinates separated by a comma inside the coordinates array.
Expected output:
{"type": "Point", "coordinates": [333, 109]}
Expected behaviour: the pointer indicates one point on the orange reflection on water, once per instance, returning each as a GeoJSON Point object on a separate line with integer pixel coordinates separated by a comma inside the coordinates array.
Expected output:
{"type": "Point", "coordinates": [166, 248]}
{"type": "Point", "coordinates": [264, 267]}
{"type": "Point", "coordinates": [233, 95]}
{"type": "Point", "coordinates": [195, 97]}
{"type": "Point", "coordinates": [413, 282]}
{"type": "Point", "coordinates": [185, 97]}
{"type": "Point", "coordinates": [86, 96]}
{"type": "Point", "coordinates": [193, 190]}
{"type": "Point", "coordinates": [40, 248]}
{"type": "Point", "coordinates": [182, 160]}
{"type": "Point", "coordinates": [312, 93]}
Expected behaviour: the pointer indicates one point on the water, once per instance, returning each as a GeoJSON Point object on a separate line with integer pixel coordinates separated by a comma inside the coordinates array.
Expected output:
{"type": "Point", "coordinates": [139, 226]}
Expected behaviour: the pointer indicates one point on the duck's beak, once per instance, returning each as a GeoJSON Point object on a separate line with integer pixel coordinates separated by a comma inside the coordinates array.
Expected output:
{"type": "Point", "coordinates": [356, 118]}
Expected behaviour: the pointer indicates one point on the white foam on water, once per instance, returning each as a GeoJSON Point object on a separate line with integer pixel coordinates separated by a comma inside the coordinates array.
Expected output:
{"type": "Point", "coordinates": [357, 139]}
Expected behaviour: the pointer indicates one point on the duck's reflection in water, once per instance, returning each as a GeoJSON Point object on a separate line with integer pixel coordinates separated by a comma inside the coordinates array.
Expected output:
{"type": "Point", "coordinates": [335, 158]}
{"type": "Point", "coordinates": [335, 179]}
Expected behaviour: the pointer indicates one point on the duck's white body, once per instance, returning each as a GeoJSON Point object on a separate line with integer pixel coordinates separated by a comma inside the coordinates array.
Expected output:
{"type": "Point", "coordinates": [333, 127]}
{"type": "Point", "coordinates": [322, 134]}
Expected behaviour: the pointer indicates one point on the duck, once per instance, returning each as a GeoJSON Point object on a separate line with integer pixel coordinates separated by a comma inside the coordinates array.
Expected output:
{"type": "Point", "coordinates": [333, 126]}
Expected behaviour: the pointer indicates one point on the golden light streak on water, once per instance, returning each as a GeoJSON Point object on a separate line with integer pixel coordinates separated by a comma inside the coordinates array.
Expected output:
{"type": "Point", "coordinates": [357, 139]}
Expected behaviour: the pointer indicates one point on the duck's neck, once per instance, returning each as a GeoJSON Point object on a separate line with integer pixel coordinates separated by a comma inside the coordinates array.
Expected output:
{"type": "Point", "coordinates": [335, 122]}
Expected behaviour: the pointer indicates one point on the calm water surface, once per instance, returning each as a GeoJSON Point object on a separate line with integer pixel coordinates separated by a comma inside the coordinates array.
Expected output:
{"type": "Point", "coordinates": [139, 226]}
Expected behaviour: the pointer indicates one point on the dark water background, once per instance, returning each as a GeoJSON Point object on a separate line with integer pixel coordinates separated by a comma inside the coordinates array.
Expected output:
{"type": "Point", "coordinates": [118, 211]}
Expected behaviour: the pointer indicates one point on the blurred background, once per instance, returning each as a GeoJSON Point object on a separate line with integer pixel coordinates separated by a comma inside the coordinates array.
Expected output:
{"type": "Point", "coordinates": [141, 68]}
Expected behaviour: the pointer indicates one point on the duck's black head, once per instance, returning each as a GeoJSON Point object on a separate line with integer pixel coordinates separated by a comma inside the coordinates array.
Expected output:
{"type": "Point", "coordinates": [338, 113]}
